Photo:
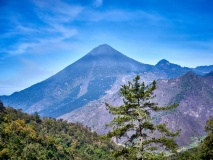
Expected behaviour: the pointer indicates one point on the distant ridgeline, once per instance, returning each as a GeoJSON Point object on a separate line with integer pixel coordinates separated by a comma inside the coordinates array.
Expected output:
{"type": "Point", "coordinates": [78, 93]}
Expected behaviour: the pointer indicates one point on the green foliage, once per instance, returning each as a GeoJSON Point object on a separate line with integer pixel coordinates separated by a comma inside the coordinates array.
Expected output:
{"type": "Point", "coordinates": [207, 144]}
{"type": "Point", "coordinates": [190, 154]}
{"type": "Point", "coordinates": [133, 121]}
{"type": "Point", "coordinates": [24, 136]}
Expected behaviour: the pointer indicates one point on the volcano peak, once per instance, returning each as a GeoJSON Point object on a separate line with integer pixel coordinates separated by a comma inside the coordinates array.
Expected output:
{"type": "Point", "coordinates": [103, 49]}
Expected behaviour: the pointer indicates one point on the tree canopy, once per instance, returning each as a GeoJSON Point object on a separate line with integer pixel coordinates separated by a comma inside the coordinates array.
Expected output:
{"type": "Point", "coordinates": [24, 136]}
{"type": "Point", "coordinates": [207, 143]}
{"type": "Point", "coordinates": [133, 122]}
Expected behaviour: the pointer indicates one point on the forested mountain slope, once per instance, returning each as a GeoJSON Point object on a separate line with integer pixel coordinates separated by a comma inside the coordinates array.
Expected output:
{"type": "Point", "coordinates": [24, 136]}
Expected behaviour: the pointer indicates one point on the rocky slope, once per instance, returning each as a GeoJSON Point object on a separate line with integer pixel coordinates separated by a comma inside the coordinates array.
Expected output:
{"type": "Point", "coordinates": [83, 81]}
{"type": "Point", "coordinates": [79, 91]}
{"type": "Point", "coordinates": [193, 93]}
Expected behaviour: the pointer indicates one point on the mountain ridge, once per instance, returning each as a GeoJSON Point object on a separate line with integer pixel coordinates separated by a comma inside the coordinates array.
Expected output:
{"type": "Point", "coordinates": [178, 90]}
{"type": "Point", "coordinates": [100, 47]}
{"type": "Point", "coordinates": [79, 91]}
{"type": "Point", "coordinates": [76, 84]}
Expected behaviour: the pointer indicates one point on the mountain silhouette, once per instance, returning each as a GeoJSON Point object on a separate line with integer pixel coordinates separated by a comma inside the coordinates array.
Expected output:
{"type": "Point", "coordinates": [81, 82]}
{"type": "Point", "coordinates": [86, 80]}
{"type": "Point", "coordinates": [79, 91]}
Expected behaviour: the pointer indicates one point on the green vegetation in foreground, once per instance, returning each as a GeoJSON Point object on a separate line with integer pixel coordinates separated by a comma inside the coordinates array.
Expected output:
{"type": "Point", "coordinates": [133, 121]}
{"type": "Point", "coordinates": [24, 136]}
{"type": "Point", "coordinates": [135, 117]}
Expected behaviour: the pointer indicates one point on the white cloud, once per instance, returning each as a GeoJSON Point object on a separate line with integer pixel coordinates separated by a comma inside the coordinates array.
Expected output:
{"type": "Point", "coordinates": [56, 11]}
{"type": "Point", "coordinates": [55, 14]}
{"type": "Point", "coordinates": [22, 47]}
{"type": "Point", "coordinates": [58, 17]}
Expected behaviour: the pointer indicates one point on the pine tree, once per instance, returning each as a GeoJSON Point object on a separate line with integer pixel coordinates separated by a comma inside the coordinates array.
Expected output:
{"type": "Point", "coordinates": [133, 122]}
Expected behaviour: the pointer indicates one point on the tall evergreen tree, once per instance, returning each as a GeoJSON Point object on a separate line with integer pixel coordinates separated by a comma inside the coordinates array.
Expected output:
{"type": "Point", "coordinates": [133, 122]}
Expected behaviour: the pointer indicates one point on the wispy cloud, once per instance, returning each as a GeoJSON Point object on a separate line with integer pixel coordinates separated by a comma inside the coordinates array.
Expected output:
{"type": "Point", "coordinates": [119, 15]}
{"type": "Point", "coordinates": [55, 15]}
{"type": "Point", "coordinates": [46, 31]}
{"type": "Point", "coordinates": [59, 22]}
{"type": "Point", "coordinates": [56, 11]}
{"type": "Point", "coordinates": [22, 48]}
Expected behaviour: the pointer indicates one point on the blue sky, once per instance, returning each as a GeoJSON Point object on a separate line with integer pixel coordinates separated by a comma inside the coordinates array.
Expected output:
{"type": "Point", "coordinates": [41, 37]}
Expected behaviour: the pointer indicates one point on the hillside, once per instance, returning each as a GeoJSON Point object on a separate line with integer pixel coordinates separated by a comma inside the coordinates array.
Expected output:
{"type": "Point", "coordinates": [193, 94]}
{"type": "Point", "coordinates": [25, 136]}
{"type": "Point", "coordinates": [78, 92]}
{"type": "Point", "coordinates": [87, 80]}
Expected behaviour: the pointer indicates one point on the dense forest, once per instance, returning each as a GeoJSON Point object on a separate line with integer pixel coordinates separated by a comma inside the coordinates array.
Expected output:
{"type": "Point", "coordinates": [24, 136]}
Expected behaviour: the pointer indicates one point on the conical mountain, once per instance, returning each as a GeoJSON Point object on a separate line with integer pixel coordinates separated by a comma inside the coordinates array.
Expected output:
{"type": "Point", "coordinates": [163, 63]}
{"type": "Point", "coordinates": [86, 80]}
{"type": "Point", "coordinates": [81, 82]}
{"type": "Point", "coordinates": [78, 92]}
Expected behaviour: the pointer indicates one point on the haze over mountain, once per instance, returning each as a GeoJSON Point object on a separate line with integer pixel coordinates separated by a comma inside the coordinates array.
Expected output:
{"type": "Point", "coordinates": [85, 80]}
{"type": "Point", "coordinates": [193, 94]}
{"type": "Point", "coordinates": [78, 92]}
